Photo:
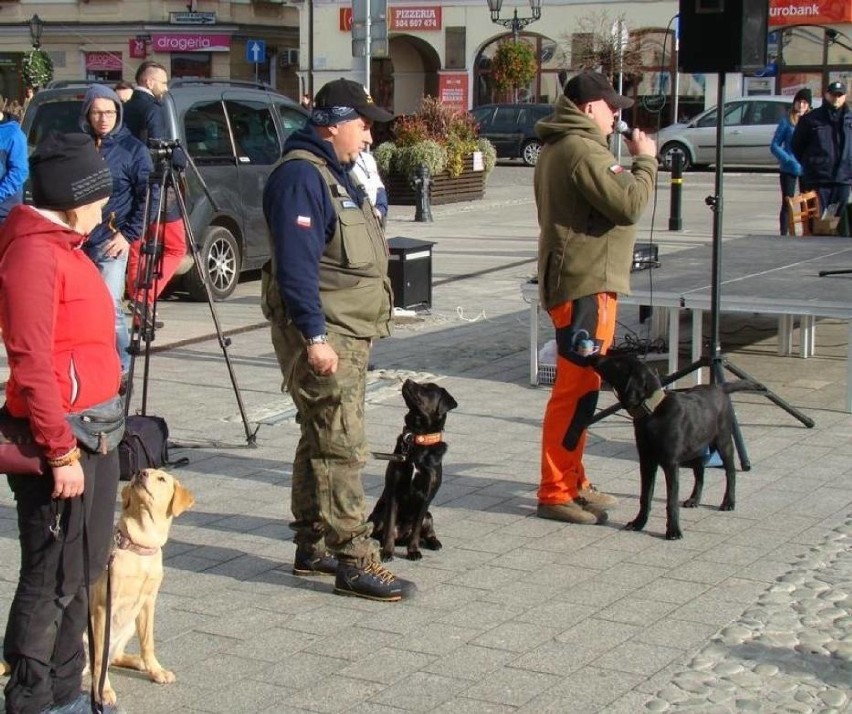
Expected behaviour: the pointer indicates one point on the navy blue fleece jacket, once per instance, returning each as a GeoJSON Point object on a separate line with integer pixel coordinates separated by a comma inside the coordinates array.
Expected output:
{"type": "Point", "coordinates": [301, 220]}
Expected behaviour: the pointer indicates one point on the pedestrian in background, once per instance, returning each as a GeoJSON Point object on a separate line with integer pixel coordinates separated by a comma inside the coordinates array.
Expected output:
{"type": "Point", "coordinates": [588, 206]}
{"type": "Point", "coordinates": [14, 167]}
{"type": "Point", "coordinates": [59, 327]}
{"type": "Point", "coordinates": [327, 296]}
{"type": "Point", "coordinates": [124, 90]}
{"type": "Point", "coordinates": [124, 215]}
{"type": "Point", "coordinates": [822, 142]}
{"type": "Point", "coordinates": [790, 170]}
{"type": "Point", "coordinates": [367, 173]}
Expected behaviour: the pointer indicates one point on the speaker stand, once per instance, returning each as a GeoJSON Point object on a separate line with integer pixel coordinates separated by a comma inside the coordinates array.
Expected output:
{"type": "Point", "coordinates": [714, 359]}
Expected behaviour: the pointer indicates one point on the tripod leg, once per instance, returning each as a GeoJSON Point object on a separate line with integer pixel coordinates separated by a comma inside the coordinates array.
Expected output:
{"type": "Point", "coordinates": [823, 273]}
{"type": "Point", "coordinates": [771, 396]}
{"type": "Point", "coordinates": [737, 433]}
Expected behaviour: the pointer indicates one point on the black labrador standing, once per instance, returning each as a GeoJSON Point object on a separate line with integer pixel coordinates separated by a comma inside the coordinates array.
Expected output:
{"type": "Point", "coordinates": [672, 429]}
{"type": "Point", "coordinates": [414, 473]}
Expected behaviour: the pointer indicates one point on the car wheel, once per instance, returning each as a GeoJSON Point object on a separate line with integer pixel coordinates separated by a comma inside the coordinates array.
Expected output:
{"type": "Point", "coordinates": [530, 152]}
{"type": "Point", "coordinates": [220, 256]}
{"type": "Point", "coordinates": [669, 150]}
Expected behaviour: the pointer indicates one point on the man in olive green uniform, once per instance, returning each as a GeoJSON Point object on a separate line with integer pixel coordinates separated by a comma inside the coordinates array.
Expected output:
{"type": "Point", "coordinates": [588, 205]}
{"type": "Point", "coordinates": [327, 295]}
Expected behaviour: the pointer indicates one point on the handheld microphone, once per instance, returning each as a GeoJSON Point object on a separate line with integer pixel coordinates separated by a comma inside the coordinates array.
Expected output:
{"type": "Point", "coordinates": [622, 128]}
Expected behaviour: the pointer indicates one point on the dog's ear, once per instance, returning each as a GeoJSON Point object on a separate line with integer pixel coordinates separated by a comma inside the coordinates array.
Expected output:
{"type": "Point", "coordinates": [446, 403]}
{"type": "Point", "coordinates": [125, 497]}
{"type": "Point", "coordinates": [181, 500]}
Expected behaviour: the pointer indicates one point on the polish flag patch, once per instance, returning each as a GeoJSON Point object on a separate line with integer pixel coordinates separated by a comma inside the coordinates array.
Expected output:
{"type": "Point", "coordinates": [616, 168]}
{"type": "Point", "coordinates": [303, 221]}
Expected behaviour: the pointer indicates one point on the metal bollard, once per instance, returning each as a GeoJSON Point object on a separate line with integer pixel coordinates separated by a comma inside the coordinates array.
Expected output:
{"type": "Point", "coordinates": [421, 183]}
{"type": "Point", "coordinates": [675, 217]}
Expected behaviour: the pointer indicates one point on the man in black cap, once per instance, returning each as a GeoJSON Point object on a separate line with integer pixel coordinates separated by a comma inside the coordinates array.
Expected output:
{"type": "Point", "coordinates": [822, 142]}
{"type": "Point", "coordinates": [588, 205]}
{"type": "Point", "coordinates": [327, 296]}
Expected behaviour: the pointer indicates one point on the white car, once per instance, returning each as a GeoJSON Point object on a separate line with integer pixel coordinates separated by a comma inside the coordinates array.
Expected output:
{"type": "Point", "coordinates": [750, 124]}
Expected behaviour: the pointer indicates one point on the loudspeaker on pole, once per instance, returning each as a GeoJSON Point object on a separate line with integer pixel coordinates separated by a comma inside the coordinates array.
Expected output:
{"type": "Point", "coordinates": [722, 35]}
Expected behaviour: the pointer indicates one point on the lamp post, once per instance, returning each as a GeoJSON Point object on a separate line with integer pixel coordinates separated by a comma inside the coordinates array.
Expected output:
{"type": "Point", "coordinates": [36, 27]}
{"type": "Point", "coordinates": [514, 23]}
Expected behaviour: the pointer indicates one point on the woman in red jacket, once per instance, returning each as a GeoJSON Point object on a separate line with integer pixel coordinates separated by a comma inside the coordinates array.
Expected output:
{"type": "Point", "coordinates": [59, 328]}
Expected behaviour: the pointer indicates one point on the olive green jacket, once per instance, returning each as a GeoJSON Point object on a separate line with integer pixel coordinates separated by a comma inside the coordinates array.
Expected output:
{"type": "Point", "coordinates": [588, 206]}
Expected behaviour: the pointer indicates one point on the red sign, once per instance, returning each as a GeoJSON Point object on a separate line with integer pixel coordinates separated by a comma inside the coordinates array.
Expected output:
{"type": "Point", "coordinates": [136, 48]}
{"type": "Point", "coordinates": [452, 89]}
{"type": "Point", "coordinates": [423, 18]}
{"type": "Point", "coordinates": [103, 61]}
{"type": "Point", "coordinates": [809, 12]}
{"type": "Point", "coordinates": [184, 42]}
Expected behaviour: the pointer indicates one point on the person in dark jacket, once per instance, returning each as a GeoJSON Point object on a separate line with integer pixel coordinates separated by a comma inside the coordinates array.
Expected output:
{"type": "Point", "coordinates": [789, 168]}
{"type": "Point", "coordinates": [327, 295]}
{"type": "Point", "coordinates": [145, 117]}
{"type": "Point", "coordinates": [822, 142]}
{"type": "Point", "coordinates": [59, 328]}
{"type": "Point", "coordinates": [124, 215]}
{"type": "Point", "coordinates": [14, 168]}
{"type": "Point", "coordinates": [588, 206]}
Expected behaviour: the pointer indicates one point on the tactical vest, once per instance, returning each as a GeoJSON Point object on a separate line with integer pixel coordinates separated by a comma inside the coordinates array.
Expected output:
{"type": "Point", "coordinates": [355, 290]}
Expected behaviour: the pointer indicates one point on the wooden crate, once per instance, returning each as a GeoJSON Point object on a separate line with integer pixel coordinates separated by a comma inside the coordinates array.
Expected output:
{"type": "Point", "coordinates": [469, 186]}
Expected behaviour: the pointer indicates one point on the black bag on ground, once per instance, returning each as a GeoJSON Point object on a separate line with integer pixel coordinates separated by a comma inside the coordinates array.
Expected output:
{"type": "Point", "coordinates": [145, 446]}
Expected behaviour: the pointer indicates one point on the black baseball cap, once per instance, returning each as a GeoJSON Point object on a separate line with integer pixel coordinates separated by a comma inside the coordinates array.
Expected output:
{"type": "Point", "coordinates": [346, 93]}
{"type": "Point", "coordinates": [590, 86]}
{"type": "Point", "coordinates": [836, 88]}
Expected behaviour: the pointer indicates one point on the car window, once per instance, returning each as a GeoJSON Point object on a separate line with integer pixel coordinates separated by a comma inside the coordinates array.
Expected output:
{"type": "Point", "coordinates": [482, 116]}
{"type": "Point", "coordinates": [206, 131]}
{"type": "Point", "coordinates": [62, 116]}
{"type": "Point", "coordinates": [505, 119]}
{"type": "Point", "coordinates": [763, 113]}
{"type": "Point", "coordinates": [735, 113]}
{"type": "Point", "coordinates": [254, 131]}
{"type": "Point", "coordinates": [291, 119]}
{"type": "Point", "coordinates": [709, 119]}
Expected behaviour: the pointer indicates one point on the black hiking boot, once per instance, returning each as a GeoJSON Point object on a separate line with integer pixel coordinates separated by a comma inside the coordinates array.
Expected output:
{"type": "Point", "coordinates": [373, 582]}
{"type": "Point", "coordinates": [314, 563]}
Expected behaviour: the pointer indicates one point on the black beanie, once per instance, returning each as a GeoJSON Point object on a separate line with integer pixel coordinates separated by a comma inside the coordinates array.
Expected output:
{"type": "Point", "coordinates": [66, 171]}
{"type": "Point", "coordinates": [805, 94]}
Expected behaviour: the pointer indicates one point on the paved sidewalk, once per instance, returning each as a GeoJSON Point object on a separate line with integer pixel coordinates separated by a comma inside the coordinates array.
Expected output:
{"type": "Point", "coordinates": [749, 612]}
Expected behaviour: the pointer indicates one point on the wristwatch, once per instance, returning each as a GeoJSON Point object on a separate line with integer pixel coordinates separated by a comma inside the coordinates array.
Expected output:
{"type": "Point", "coordinates": [318, 340]}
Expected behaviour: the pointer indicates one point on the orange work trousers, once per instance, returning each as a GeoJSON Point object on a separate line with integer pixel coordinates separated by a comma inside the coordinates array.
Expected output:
{"type": "Point", "coordinates": [584, 326]}
{"type": "Point", "coordinates": [173, 243]}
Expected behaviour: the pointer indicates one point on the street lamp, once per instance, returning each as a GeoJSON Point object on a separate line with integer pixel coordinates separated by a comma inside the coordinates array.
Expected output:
{"type": "Point", "coordinates": [514, 23]}
{"type": "Point", "coordinates": [36, 26]}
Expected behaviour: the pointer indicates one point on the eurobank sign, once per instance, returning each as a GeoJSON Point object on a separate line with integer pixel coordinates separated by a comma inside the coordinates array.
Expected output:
{"type": "Point", "coordinates": [192, 42]}
{"type": "Point", "coordinates": [809, 12]}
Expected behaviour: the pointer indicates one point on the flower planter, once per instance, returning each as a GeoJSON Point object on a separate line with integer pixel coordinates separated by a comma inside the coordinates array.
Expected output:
{"type": "Point", "coordinates": [468, 186]}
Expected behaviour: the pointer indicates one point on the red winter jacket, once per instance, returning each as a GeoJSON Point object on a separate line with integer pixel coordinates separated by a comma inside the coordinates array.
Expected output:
{"type": "Point", "coordinates": [58, 324]}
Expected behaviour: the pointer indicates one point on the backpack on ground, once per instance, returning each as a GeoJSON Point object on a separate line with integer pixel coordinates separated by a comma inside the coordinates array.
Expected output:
{"type": "Point", "coordinates": [145, 445]}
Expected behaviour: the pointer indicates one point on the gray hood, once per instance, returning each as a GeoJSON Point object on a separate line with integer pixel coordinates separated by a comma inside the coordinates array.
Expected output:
{"type": "Point", "coordinates": [100, 91]}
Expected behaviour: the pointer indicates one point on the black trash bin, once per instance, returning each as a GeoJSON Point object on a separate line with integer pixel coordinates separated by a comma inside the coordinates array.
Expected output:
{"type": "Point", "coordinates": [410, 272]}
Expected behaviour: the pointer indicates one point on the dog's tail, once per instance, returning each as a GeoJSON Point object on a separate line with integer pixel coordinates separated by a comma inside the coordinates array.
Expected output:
{"type": "Point", "coordinates": [743, 385]}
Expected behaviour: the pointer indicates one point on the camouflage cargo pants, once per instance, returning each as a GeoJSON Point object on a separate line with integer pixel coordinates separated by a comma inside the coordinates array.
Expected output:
{"type": "Point", "coordinates": [327, 494]}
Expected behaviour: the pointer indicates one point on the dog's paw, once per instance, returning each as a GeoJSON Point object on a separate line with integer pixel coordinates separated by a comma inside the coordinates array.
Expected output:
{"type": "Point", "coordinates": [690, 503]}
{"type": "Point", "coordinates": [673, 534]}
{"type": "Point", "coordinates": [387, 557]}
{"type": "Point", "coordinates": [162, 676]}
{"type": "Point", "coordinates": [727, 505]}
{"type": "Point", "coordinates": [109, 696]}
{"type": "Point", "coordinates": [433, 544]}
{"type": "Point", "coordinates": [414, 555]}
{"type": "Point", "coordinates": [635, 525]}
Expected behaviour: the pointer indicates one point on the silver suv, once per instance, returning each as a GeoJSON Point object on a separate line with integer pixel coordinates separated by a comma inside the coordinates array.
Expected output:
{"type": "Point", "coordinates": [750, 124]}
{"type": "Point", "coordinates": [234, 131]}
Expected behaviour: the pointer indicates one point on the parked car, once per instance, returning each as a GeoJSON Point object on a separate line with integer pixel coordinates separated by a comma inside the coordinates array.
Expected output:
{"type": "Point", "coordinates": [234, 131]}
{"type": "Point", "coordinates": [511, 128]}
{"type": "Point", "coordinates": [749, 126]}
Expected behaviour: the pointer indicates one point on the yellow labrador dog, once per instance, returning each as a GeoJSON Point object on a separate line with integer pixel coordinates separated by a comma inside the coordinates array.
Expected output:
{"type": "Point", "coordinates": [149, 503]}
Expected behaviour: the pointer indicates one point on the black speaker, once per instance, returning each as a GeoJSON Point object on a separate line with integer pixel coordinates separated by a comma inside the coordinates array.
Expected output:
{"type": "Point", "coordinates": [722, 35]}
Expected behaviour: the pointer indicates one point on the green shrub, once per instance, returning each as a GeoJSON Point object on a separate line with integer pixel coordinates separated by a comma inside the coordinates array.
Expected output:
{"type": "Point", "coordinates": [406, 159]}
{"type": "Point", "coordinates": [383, 154]}
{"type": "Point", "coordinates": [489, 154]}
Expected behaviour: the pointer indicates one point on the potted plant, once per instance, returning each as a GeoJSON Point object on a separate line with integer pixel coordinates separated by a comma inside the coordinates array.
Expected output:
{"type": "Point", "coordinates": [446, 141]}
{"type": "Point", "coordinates": [513, 66]}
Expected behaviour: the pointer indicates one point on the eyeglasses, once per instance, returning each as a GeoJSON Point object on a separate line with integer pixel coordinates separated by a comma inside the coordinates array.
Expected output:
{"type": "Point", "coordinates": [105, 114]}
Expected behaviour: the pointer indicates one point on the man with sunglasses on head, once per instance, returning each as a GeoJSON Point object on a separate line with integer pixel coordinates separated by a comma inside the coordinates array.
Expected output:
{"type": "Point", "coordinates": [822, 142]}
{"type": "Point", "coordinates": [129, 162]}
{"type": "Point", "coordinates": [588, 206]}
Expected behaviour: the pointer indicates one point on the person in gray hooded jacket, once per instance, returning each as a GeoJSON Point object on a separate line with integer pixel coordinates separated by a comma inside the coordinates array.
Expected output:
{"type": "Point", "coordinates": [130, 164]}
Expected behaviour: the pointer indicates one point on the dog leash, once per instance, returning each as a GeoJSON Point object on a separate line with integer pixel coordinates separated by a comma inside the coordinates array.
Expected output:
{"type": "Point", "coordinates": [96, 698]}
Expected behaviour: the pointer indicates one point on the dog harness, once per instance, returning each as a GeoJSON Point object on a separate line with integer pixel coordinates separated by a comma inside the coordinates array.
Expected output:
{"type": "Point", "coordinates": [647, 406]}
{"type": "Point", "coordinates": [122, 541]}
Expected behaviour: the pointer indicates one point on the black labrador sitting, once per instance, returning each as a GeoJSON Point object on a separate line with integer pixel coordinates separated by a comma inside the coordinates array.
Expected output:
{"type": "Point", "coordinates": [414, 473]}
{"type": "Point", "coordinates": [674, 428]}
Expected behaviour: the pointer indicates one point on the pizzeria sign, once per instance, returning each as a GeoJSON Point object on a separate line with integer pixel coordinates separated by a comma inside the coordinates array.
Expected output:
{"type": "Point", "coordinates": [422, 18]}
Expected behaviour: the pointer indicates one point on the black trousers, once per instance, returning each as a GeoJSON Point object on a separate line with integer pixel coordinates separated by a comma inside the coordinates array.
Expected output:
{"type": "Point", "coordinates": [44, 634]}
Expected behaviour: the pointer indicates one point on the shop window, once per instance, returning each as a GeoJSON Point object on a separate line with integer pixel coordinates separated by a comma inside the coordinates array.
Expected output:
{"type": "Point", "coordinates": [192, 64]}
{"type": "Point", "coordinates": [456, 48]}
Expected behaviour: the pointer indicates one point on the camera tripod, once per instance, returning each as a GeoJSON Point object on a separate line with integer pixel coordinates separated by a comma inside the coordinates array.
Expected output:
{"type": "Point", "coordinates": [713, 359]}
{"type": "Point", "coordinates": [164, 179]}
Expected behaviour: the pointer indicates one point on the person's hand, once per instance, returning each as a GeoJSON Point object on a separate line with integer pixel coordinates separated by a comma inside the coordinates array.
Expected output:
{"type": "Point", "coordinates": [640, 144]}
{"type": "Point", "coordinates": [322, 359]}
{"type": "Point", "coordinates": [67, 480]}
{"type": "Point", "coordinates": [116, 246]}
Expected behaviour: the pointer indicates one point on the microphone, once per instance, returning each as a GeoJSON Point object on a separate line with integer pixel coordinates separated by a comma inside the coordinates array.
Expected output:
{"type": "Point", "coordinates": [622, 128]}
